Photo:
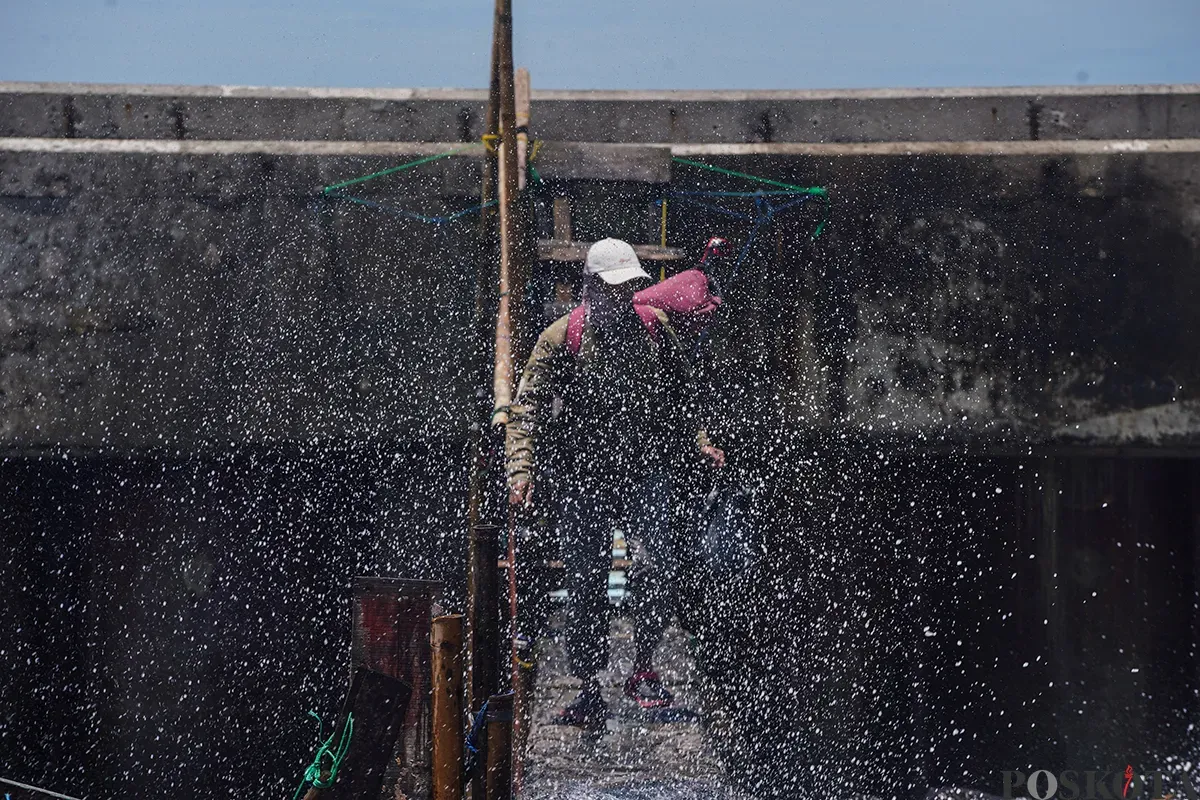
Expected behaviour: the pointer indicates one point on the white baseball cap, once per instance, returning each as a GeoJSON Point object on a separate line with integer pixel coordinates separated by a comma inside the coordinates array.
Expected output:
{"type": "Point", "coordinates": [614, 261]}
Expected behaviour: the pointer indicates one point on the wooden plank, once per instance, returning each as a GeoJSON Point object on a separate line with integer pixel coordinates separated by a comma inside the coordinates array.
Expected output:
{"type": "Point", "coordinates": [562, 219]}
{"type": "Point", "coordinates": [379, 704]}
{"type": "Point", "coordinates": [391, 637]}
{"type": "Point", "coordinates": [572, 161]}
{"type": "Point", "coordinates": [560, 250]}
{"type": "Point", "coordinates": [617, 564]}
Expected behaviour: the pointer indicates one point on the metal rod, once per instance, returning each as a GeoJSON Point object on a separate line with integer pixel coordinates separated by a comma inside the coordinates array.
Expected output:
{"type": "Point", "coordinates": [499, 754]}
{"type": "Point", "coordinates": [27, 787]}
{"type": "Point", "coordinates": [446, 640]}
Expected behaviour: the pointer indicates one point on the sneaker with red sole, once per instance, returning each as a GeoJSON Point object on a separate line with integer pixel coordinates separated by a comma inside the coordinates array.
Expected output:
{"type": "Point", "coordinates": [588, 710]}
{"type": "Point", "coordinates": [647, 689]}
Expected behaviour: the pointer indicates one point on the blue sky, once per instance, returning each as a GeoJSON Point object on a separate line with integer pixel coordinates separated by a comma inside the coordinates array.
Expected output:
{"type": "Point", "coordinates": [605, 44]}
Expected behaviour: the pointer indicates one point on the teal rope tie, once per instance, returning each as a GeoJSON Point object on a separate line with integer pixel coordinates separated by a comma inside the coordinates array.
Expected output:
{"type": "Point", "coordinates": [817, 191]}
{"type": "Point", "coordinates": [313, 773]}
{"type": "Point", "coordinates": [392, 170]}
{"type": "Point", "coordinates": [334, 191]}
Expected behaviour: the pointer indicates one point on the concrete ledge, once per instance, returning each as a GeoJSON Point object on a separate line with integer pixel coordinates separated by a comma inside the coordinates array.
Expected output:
{"type": "Point", "coordinates": [702, 117]}
{"type": "Point", "coordinates": [605, 154]}
{"type": "Point", "coordinates": [725, 95]}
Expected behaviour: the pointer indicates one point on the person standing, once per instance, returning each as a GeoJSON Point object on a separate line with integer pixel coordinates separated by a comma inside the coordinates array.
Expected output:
{"type": "Point", "coordinates": [628, 425]}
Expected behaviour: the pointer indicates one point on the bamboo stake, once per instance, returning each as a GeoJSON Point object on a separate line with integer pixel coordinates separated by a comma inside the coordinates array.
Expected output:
{"type": "Point", "coordinates": [446, 639]}
{"type": "Point", "coordinates": [521, 92]}
{"type": "Point", "coordinates": [483, 617]}
{"type": "Point", "coordinates": [485, 502]}
{"type": "Point", "coordinates": [511, 289]}
{"type": "Point", "coordinates": [484, 323]}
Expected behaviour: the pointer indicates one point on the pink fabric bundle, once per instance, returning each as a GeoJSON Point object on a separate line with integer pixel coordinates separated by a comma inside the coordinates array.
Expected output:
{"type": "Point", "coordinates": [684, 297]}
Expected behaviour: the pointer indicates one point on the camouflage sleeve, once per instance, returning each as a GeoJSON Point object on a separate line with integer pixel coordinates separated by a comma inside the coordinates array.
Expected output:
{"type": "Point", "coordinates": [542, 375]}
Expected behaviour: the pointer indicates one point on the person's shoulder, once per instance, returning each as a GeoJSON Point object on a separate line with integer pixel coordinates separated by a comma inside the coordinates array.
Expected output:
{"type": "Point", "coordinates": [556, 332]}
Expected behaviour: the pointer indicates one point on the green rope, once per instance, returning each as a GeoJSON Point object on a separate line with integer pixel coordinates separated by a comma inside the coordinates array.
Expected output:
{"type": "Point", "coordinates": [391, 170]}
{"type": "Point", "coordinates": [817, 190]}
{"type": "Point", "coordinates": [313, 773]}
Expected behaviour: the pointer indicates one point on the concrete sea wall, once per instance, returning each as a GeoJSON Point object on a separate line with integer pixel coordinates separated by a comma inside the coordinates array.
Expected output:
{"type": "Point", "coordinates": [972, 401]}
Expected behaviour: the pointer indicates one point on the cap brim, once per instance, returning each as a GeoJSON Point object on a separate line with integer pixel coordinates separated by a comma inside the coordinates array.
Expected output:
{"type": "Point", "coordinates": [615, 276]}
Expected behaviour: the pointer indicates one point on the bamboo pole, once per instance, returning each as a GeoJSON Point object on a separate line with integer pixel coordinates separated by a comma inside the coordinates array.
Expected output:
{"type": "Point", "coordinates": [523, 242]}
{"type": "Point", "coordinates": [499, 755]}
{"type": "Point", "coordinates": [486, 502]}
{"type": "Point", "coordinates": [446, 640]}
{"type": "Point", "coordinates": [521, 92]}
{"type": "Point", "coordinates": [482, 438]}
{"type": "Point", "coordinates": [511, 287]}
{"type": "Point", "coordinates": [483, 617]}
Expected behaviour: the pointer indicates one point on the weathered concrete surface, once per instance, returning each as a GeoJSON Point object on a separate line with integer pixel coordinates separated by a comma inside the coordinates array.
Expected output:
{"type": "Point", "coordinates": [170, 620]}
{"type": "Point", "coordinates": [184, 299]}
{"type": "Point", "coordinates": [161, 301]}
{"type": "Point", "coordinates": [216, 112]}
{"type": "Point", "coordinates": [982, 298]}
{"type": "Point", "coordinates": [635, 757]}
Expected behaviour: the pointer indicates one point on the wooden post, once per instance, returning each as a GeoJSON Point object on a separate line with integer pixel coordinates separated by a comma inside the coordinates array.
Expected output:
{"type": "Point", "coordinates": [511, 290]}
{"type": "Point", "coordinates": [483, 619]}
{"type": "Point", "coordinates": [499, 754]}
{"type": "Point", "coordinates": [521, 92]}
{"type": "Point", "coordinates": [484, 614]}
{"type": "Point", "coordinates": [480, 499]}
{"type": "Point", "coordinates": [446, 639]}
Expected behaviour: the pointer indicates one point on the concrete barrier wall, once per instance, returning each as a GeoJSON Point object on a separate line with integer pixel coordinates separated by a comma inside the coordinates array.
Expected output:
{"type": "Point", "coordinates": [165, 301]}
{"type": "Point", "coordinates": [180, 293]}
{"type": "Point", "coordinates": [178, 112]}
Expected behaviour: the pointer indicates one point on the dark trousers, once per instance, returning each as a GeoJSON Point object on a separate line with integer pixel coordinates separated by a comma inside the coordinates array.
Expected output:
{"type": "Point", "coordinates": [590, 510]}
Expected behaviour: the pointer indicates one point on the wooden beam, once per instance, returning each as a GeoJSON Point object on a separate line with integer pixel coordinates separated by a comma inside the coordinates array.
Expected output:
{"type": "Point", "coordinates": [562, 218]}
{"type": "Point", "coordinates": [562, 250]}
{"type": "Point", "coordinates": [604, 162]}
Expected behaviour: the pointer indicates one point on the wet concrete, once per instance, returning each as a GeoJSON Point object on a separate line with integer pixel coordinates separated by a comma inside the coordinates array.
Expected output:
{"type": "Point", "coordinates": [635, 757]}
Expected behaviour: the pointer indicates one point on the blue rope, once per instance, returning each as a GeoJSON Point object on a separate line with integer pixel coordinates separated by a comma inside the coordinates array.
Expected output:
{"type": "Point", "coordinates": [763, 193]}
{"type": "Point", "coordinates": [720, 210]}
{"type": "Point", "coordinates": [764, 213]}
{"type": "Point", "coordinates": [472, 743]}
{"type": "Point", "coordinates": [400, 212]}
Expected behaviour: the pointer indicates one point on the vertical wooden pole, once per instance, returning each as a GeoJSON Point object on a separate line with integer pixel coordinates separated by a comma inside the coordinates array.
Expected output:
{"type": "Point", "coordinates": [499, 755]}
{"type": "Point", "coordinates": [511, 288]}
{"type": "Point", "coordinates": [486, 503]}
{"type": "Point", "coordinates": [483, 614]}
{"type": "Point", "coordinates": [521, 92]}
{"type": "Point", "coordinates": [446, 638]}
{"type": "Point", "coordinates": [484, 328]}
{"type": "Point", "coordinates": [483, 617]}
{"type": "Point", "coordinates": [523, 253]}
